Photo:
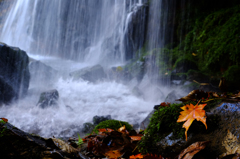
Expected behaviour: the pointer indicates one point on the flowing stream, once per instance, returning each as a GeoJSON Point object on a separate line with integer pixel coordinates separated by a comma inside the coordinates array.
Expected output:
{"type": "Point", "coordinates": [68, 35]}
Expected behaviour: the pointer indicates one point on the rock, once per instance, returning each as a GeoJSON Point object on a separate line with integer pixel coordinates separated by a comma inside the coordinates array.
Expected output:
{"type": "Point", "coordinates": [92, 74]}
{"type": "Point", "coordinates": [172, 96]}
{"type": "Point", "coordinates": [41, 72]}
{"type": "Point", "coordinates": [137, 92]}
{"type": "Point", "coordinates": [144, 124]}
{"type": "Point", "coordinates": [48, 99]}
{"type": "Point", "coordinates": [135, 30]}
{"type": "Point", "coordinates": [14, 73]}
{"type": "Point", "coordinates": [15, 143]}
{"type": "Point", "coordinates": [221, 120]}
{"type": "Point", "coordinates": [88, 127]}
{"type": "Point", "coordinates": [98, 119]}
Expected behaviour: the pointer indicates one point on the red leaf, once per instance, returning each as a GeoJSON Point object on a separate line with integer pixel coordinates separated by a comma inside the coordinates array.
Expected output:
{"type": "Point", "coordinates": [4, 119]}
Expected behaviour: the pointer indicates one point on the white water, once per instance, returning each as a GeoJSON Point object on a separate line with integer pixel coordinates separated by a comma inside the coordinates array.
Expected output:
{"type": "Point", "coordinates": [41, 29]}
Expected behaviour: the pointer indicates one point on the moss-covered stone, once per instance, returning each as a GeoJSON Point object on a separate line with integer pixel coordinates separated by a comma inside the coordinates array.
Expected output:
{"type": "Point", "coordinates": [113, 124]}
{"type": "Point", "coordinates": [164, 127]}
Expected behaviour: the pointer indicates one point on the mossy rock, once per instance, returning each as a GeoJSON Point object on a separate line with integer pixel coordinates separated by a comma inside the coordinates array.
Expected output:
{"type": "Point", "coordinates": [164, 135]}
{"type": "Point", "coordinates": [113, 124]}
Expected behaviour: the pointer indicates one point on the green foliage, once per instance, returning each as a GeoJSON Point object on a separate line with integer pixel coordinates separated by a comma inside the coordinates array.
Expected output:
{"type": "Point", "coordinates": [2, 121]}
{"type": "Point", "coordinates": [162, 123]}
{"type": "Point", "coordinates": [215, 40]}
{"type": "Point", "coordinates": [4, 128]}
{"type": "Point", "coordinates": [80, 141]}
{"type": "Point", "coordinates": [112, 124]}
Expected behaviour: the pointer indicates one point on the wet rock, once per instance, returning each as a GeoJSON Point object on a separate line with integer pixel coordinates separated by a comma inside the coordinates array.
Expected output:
{"type": "Point", "coordinates": [144, 124]}
{"type": "Point", "coordinates": [137, 92]}
{"type": "Point", "coordinates": [135, 30]}
{"type": "Point", "coordinates": [172, 96]}
{"type": "Point", "coordinates": [48, 98]}
{"type": "Point", "coordinates": [222, 118]}
{"type": "Point", "coordinates": [41, 72]}
{"type": "Point", "coordinates": [88, 127]}
{"type": "Point", "coordinates": [92, 74]}
{"type": "Point", "coordinates": [14, 73]}
{"type": "Point", "coordinates": [15, 143]}
{"type": "Point", "coordinates": [98, 119]}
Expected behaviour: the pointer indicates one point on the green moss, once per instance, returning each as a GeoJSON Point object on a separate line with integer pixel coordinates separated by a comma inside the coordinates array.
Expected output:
{"type": "Point", "coordinates": [2, 121]}
{"type": "Point", "coordinates": [164, 121]}
{"type": "Point", "coordinates": [112, 124]}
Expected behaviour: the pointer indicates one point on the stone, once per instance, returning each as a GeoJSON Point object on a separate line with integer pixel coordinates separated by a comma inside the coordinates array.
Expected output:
{"type": "Point", "coordinates": [172, 96]}
{"type": "Point", "coordinates": [144, 124]}
{"type": "Point", "coordinates": [16, 143]}
{"type": "Point", "coordinates": [41, 72]}
{"type": "Point", "coordinates": [99, 119]}
{"type": "Point", "coordinates": [91, 74]}
{"type": "Point", "coordinates": [48, 98]}
{"type": "Point", "coordinates": [88, 127]}
{"type": "Point", "coordinates": [14, 73]}
{"type": "Point", "coordinates": [222, 119]}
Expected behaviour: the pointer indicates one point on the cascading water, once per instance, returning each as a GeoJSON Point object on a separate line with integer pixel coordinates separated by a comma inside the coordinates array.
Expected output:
{"type": "Point", "coordinates": [90, 32]}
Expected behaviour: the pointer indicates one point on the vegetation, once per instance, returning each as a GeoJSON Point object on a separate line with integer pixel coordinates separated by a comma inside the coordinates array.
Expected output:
{"type": "Point", "coordinates": [164, 122]}
{"type": "Point", "coordinates": [112, 124]}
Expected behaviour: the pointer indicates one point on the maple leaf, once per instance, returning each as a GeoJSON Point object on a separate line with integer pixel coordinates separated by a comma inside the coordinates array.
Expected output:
{"type": "Point", "coordinates": [4, 119]}
{"type": "Point", "coordinates": [190, 113]}
{"type": "Point", "coordinates": [136, 156]}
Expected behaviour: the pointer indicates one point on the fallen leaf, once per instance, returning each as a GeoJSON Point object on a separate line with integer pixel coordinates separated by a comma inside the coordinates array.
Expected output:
{"type": "Point", "coordinates": [105, 130]}
{"type": "Point", "coordinates": [63, 145]}
{"type": "Point", "coordinates": [194, 95]}
{"type": "Point", "coordinates": [190, 113]}
{"type": "Point", "coordinates": [113, 154]}
{"type": "Point", "coordinates": [135, 138]}
{"type": "Point", "coordinates": [136, 156]}
{"type": "Point", "coordinates": [4, 119]}
{"type": "Point", "coordinates": [163, 104]}
{"type": "Point", "coordinates": [191, 150]}
{"type": "Point", "coordinates": [230, 142]}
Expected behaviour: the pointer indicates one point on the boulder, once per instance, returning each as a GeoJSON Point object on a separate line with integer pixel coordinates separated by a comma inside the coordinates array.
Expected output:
{"type": "Point", "coordinates": [99, 119]}
{"type": "Point", "coordinates": [48, 98]}
{"type": "Point", "coordinates": [222, 131]}
{"type": "Point", "coordinates": [144, 124]}
{"type": "Point", "coordinates": [15, 143]}
{"type": "Point", "coordinates": [88, 127]}
{"type": "Point", "coordinates": [41, 72]}
{"type": "Point", "coordinates": [14, 73]}
{"type": "Point", "coordinates": [91, 74]}
{"type": "Point", "coordinates": [172, 96]}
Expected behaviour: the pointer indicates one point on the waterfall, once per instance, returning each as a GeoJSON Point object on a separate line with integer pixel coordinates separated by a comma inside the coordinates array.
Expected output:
{"type": "Point", "coordinates": [160, 33]}
{"type": "Point", "coordinates": [83, 30]}
{"type": "Point", "coordinates": [69, 35]}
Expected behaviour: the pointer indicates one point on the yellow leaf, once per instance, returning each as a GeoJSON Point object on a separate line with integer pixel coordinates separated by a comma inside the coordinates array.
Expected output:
{"type": "Point", "coordinates": [194, 54]}
{"type": "Point", "coordinates": [230, 143]}
{"type": "Point", "coordinates": [190, 113]}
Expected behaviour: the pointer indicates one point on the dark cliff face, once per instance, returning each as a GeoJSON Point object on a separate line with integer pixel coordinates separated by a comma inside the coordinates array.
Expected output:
{"type": "Point", "coordinates": [14, 73]}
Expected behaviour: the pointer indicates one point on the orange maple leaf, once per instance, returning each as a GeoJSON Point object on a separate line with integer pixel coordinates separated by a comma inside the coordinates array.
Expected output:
{"type": "Point", "coordinates": [136, 156]}
{"type": "Point", "coordinates": [113, 154]}
{"type": "Point", "coordinates": [190, 113]}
